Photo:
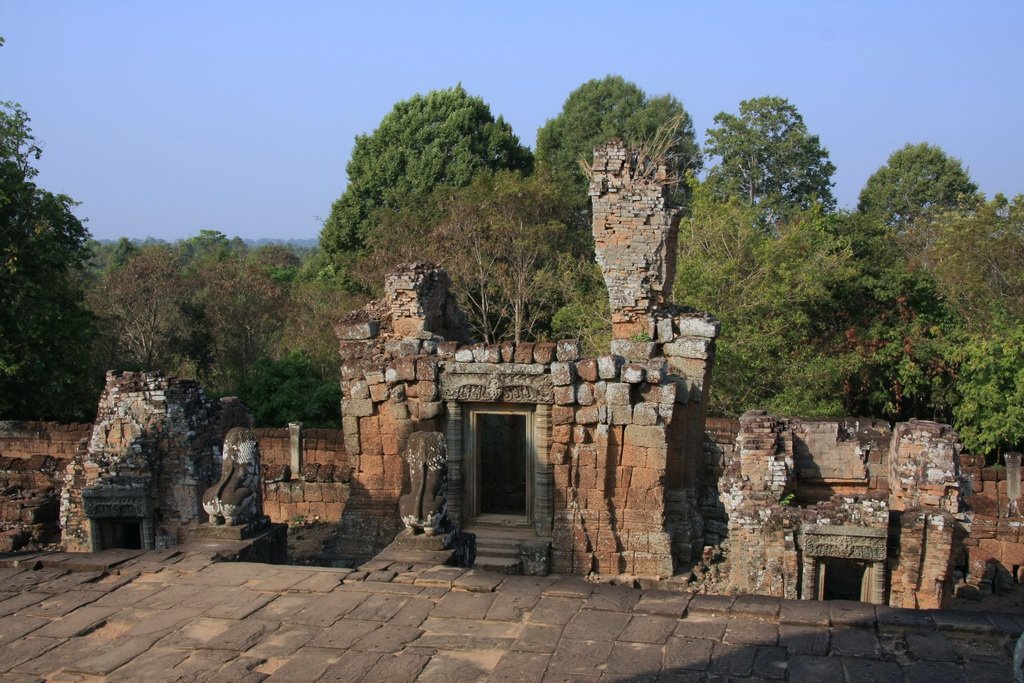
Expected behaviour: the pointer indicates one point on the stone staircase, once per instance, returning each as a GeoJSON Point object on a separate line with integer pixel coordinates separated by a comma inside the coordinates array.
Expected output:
{"type": "Point", "coordinates": [497, 548]}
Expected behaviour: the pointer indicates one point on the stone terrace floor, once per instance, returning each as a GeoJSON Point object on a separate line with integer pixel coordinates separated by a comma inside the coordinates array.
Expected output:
{"type": "Point", "coordinates": [181, 615]}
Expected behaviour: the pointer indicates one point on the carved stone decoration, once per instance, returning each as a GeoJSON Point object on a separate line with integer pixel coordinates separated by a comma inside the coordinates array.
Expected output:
{"type": "Point", "coordinates": [498, 387]}
{"type": "Point", "coordinates": [424, 508]}
{"type": "Point", "coordinates": [235, 499]}
{"type": "Point", "coordinates": [848, 542]}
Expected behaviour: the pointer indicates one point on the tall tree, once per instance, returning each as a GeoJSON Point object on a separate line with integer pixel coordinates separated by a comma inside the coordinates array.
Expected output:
{"type": "Point", "coordinates": [444, 137]}
{"type": "Point", "coordinates": [781, 346]}
{"type": "Point", "coordinates": [915, 180]}
{"type": "Point", "coordinates": [45, 330]}
{"type": "Point", "coordinates": [768, 158]}
{"type": "Point", "coordinates": [605, 108]}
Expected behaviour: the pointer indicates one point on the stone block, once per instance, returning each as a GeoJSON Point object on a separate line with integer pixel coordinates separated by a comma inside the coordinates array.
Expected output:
{"type": "Point", "coordinates": [646, 436]}
{"type": "Point", "coordinates": [565, 395]}
{"type": "Point", "coordinates": [634, 350]}
{"type": "Point", "coordinates": [426, 369]}
{"type": "Point", "coordinates": [698, 326]}
{"type": "Point", "coordinates": [608, 366]}
{"type": "Point", "coordinates": [645, 414]}
{"type": "Point", "coordinates": [358, 389]}
{"type": "Point", "coordinates": [401, 348]}
{"type": "Point", "coordinates": [508, 352]}
{"type": "Point", "coordinates": [429, 409]}
{"type": "Point", "coordinates": [587, 369]}
{"type": "Point", "coordinates": [426, 391]}
{"type": "Point", "coordinates": [523, 352]}
{"type": "Point", "coordinates": [617, 394]}
{"type": "Point", "coordinates": [446, 350]}
{"type": "Point", "coordinates": [620, 414]}
{"type": "Point", "coordinates": [464, 354]}
{"type": "Point", "coordinates": [585, 394]}
{"type": "Point", "coordinates": [357, 331]}
{"type": "Point", "coordinates": [562, 415]}
{"type": "Point", "coordinates": [561, 433]}
{"type": "Point", "coordinates": [405, 369]}
{"type": "Point", "coordinates": [666, 330]}
{"type": "Point", "coordinates": [359, 407]}
{"type": "Point", "coordinates": [567, 350]}
{"type": "Point", "coordinates": [633, 373]}
{"type": "Point", "coordinates": [544, 352]}
{"type": "Point", "coordinates": [562, 373]}
{"type": "Point", "coordinates": [688, 347]}
{"type": "Point", "coordinates": [588, 415]}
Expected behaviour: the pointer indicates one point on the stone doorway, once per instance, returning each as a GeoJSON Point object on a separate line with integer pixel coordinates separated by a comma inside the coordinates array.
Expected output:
{"type": "Point", "coordinates": [500, 465]}
{"type": "Point", "coordinates": [119, 533]}
{"type": "Point", "coordinates": [843, 579]}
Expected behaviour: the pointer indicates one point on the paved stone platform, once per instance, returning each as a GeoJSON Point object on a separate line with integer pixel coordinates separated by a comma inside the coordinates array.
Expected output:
{"type": "Point", "coordinates": [184, 615]}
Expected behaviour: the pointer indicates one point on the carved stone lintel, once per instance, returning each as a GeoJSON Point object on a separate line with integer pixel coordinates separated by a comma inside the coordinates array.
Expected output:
{"type": "Point", "coordinates": [114, 502]}
{"type": "Point", "coordinates": [848, 542]}
{"type": "Point", "coordinates": [504, 388]}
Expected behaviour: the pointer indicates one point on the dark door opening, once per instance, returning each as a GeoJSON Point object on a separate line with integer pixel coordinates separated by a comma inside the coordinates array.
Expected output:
{"type": "Point", "coordinates": [503, 468]}
{"type": "Point", "coordinates": [844, 579]}
{"type": "Point", "coordinates": [120, 533]}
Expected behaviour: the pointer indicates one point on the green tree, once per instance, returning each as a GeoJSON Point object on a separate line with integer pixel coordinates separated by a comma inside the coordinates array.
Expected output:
{"type": "Point", "coordinates": [45, 330]}
{"type": "Point", "coordinates": [606, 108]}
{"type": "Point", "coordinates": [990, 414]}
{"type": "Point", "coordinates": [768, 158]}
{"type": "Point", "coordinates": [291, 390]}
{"type": "Point", "coordinates": [916, 180]}
{"type": "Point", "coordinates": [780, 347]}
{"type": "Point", "coordinates": [444, 137]}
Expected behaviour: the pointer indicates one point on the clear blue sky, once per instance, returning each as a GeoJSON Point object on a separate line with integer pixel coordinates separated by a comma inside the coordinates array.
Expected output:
{"type": "Point", "coordinates": [165, 118]}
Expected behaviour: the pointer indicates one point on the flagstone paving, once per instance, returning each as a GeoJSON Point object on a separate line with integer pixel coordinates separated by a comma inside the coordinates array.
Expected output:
{"type": "Point", "coordinates": [185, 616]}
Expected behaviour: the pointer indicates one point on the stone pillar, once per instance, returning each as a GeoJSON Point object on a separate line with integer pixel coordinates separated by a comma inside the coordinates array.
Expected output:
{"type": "Point", "coordinates": [455, 484]}
{"type": "Point", "coordinates": [809, 579]}
{"type": "Point", "coordinates": [1012, 484]}
{"type": "Point", "coordinates": [877, 589]}
{"type": "Point", "coordinates": [542, 471]}
{"type": "Point", "coordinates": [295, 434]}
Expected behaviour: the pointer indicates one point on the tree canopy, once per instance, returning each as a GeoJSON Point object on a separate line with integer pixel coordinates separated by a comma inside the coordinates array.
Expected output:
{"type": "Point", "coordinates": [768, 158]}
{"type": "Point", "coordinates": [45, 330]}
{"type": "Point", "coordinates": [444, 137]}
{"type": "Point", "coordinates": [605, 108]}
{"type": "Point", "coordinates": [915, 180]}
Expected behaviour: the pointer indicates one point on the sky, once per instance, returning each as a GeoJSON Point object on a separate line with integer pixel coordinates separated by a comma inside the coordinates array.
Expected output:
{"type": "Point", "coordinates": [163, 119]}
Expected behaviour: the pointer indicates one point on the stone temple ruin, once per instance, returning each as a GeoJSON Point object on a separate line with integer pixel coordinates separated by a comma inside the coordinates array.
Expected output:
{"type": "Point", "coordinates": [553, 461]}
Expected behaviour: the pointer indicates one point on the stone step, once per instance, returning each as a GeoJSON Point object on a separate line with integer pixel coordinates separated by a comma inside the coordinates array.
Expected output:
{"type": "Point", "coordinates": [496, 551]}
{"type": "Point", "coordinates": [502, 565]}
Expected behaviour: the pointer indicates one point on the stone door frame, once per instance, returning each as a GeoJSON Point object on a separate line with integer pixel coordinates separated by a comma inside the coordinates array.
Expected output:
{"type": "Point", "coordinates": [463, 485]}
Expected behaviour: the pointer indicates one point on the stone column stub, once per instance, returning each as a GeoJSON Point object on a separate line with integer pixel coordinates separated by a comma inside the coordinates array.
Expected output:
{"type": "Point", "coordinates": [295, 437]}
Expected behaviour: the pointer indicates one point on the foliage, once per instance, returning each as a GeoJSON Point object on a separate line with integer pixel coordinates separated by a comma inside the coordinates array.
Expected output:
{"type": "Point", "coordinates": [605, 108]}
{"type": "Point", "coordinates": [500, 239]}
{"type": "Point", "coordinates": [769, 159]}
{"type": "Point", "coordinates": [586, 314]}
{"type": "Point", "coordinates": [990, 414]}
{"type": "Point", "coordinates": [916, 180]}
{"type": "Point", "coordinates": [976, 256]}
{"type": "Point", "coordinates": [775, 296]}
{"type": "Point", "coordinates": [445, 137]}
{"type": "Point", "coordinates": [291, 389]}
{"type": "Point", "coordinates": [45, 330]}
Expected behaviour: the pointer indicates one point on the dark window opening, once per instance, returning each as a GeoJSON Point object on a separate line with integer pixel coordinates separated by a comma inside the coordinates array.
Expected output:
{"type": "Point", "coordinates": [502, 457]}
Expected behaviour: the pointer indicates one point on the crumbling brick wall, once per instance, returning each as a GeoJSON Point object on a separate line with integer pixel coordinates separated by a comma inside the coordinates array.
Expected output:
{"type": "Point", "coordinates": [319, 490]}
